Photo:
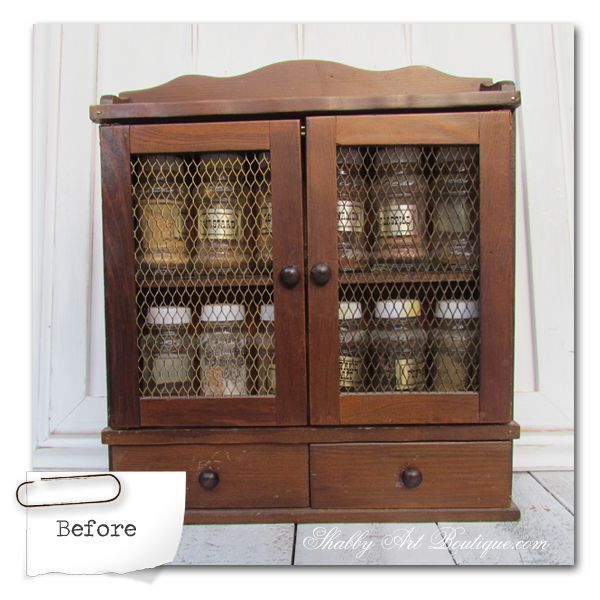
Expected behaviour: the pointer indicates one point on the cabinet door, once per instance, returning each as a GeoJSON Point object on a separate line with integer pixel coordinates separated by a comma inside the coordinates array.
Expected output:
{"type": "Point", "coordinates": [203, 229]}
{"type": "Point", "coordinates": [410, 216]}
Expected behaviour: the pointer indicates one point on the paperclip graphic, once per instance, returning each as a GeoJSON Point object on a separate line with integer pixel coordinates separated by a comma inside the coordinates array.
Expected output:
{"type": "Point", "coordinates": [25, 483]}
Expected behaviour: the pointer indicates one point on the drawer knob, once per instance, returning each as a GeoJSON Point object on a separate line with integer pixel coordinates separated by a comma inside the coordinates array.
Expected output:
{"type": "Point", "coordinates": [289, 276]}
{"type": "Point", "coordinates": [320, 273]}
{"type": "Point", "coordinates": [411, 477]}
{"type": "Point", "coordinates": [209, 479]}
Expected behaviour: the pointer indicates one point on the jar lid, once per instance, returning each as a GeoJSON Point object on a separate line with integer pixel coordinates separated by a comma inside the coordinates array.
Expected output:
{"type": "Point", "coordinates": [456, 309]}
{"type": "Point", "coordinates": [267, 312]}
{"type": "Point", "coordinates": [397, 155]}
{"type": "Point", "coordinates": [222, 161]}
{"type": "Point", "coordinates": [397, 309]}
{"type": "Point", "coordinates": [457, 181]}
{"type": "Point", "coordinates": [403, 185]}
{"type": "Point", "coordinates": [168, 315]}
{"type": "Point", "coordinates": [349, 310]}
{"type": "Point", "coordinates": [162, 164]}
{"type": "Point", "coordinates": [450, 154]}
{"type": "Point", "coordinates": [222, 312]}
{"type": "Point", "coordinates": [349, 157]}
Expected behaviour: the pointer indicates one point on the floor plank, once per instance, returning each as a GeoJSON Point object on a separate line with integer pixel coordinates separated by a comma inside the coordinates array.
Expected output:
{"type": "Point", "coordinates": [543, 519]}
{"type": "Point", "coordinates": [561, 484]}
{"type": "Point", "coordinates": [546, 500]}
{"type": "Point", "coordinates": [236, 545]}
{"type": "Point", "coordinates": [368, 544]}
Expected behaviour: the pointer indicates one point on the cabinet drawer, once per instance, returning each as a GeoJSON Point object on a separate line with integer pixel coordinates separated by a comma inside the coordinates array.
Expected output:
{"type": "Point", "coordinates": [420, 475]}
{"type": "Point", "coordinates": [239, 476]}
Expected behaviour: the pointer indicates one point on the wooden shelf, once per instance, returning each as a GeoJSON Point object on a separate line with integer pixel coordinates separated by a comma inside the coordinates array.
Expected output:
{"type": "Point", "coordinates": [226, 280]}
{"type": "Point", "coordinates": [406, 277]}
{"type": "Point", "coordinates": [345, 278]}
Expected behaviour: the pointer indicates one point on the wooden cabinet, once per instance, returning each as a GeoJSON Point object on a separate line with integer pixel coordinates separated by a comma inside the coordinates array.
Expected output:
{"type": "Point", "coordinates": [313, 261]}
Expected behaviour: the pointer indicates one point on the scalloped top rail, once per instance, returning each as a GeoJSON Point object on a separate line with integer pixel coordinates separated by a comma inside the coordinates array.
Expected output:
{"type": "Point", "coordinates": [306, 86]}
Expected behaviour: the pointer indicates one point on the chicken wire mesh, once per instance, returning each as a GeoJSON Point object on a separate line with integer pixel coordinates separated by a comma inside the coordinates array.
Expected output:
{"type": "Point", "coordinates": [205, 316]}
{"type": "Point", "coordinates": [408, 242]}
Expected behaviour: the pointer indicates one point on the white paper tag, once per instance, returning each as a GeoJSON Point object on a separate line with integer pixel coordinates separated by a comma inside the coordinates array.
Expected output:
{"type": "Point", "coordinates": [141, 529]}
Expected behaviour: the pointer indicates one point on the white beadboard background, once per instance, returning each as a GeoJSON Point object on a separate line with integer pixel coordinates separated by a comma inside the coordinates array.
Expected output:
{"type": "Point", "coordinates": [74, 64]}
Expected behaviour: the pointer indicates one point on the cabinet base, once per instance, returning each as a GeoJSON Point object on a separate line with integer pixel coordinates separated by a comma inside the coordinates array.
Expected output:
{"type": "Point", "coordinates": [329, 515]}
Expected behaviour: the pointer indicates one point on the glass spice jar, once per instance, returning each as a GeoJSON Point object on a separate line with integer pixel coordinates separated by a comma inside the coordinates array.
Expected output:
{"type": "Point", "coordinates": [399, 346]}
{"type": "Point", "coordinates": [454, 213]}
{"type": "Point", "coordinates": [222, 350]}
{"type": "Point", "coordinates": [220, 243]}
{"type": "Point", "coordinates": [168, 352]}
{"type": "Point", "coordinates": [264, 235]}
{"type": "Point", "coordinates": [454, 339]}
{"type": "Point", "coordinates": [162, 213]}
{"type": "Point", "coordinates": [399, 196]}
{"type": "Point", "coordinates": [353, 347]}
{"type": "Point", "coordinates": [265, 340]}
{"type": "Point", "coordinates": [351, 211]}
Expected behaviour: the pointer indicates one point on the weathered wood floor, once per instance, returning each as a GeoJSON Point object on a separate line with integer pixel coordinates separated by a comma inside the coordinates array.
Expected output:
{"type": "Point", "coordinates": [543, 536]}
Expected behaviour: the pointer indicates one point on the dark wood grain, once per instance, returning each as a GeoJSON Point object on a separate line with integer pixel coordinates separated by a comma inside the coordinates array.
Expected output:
{"type": "Point", "coordinates": [309, 435]}
{"type": "Point", "coordinates": [405, 408]}
{"type": "Point", "coordinates": [248, 475]}
{"type": "Point", "coordinates": [497, 232]}
{"type": "Point", "coordinates": [200, 137]}
{"type": "Point", "coordinates": [288, 249]}
{"type": "Point", "coordinates": [294, 107]}
{"type": "Point", "coordinates": [455, 128]}
{"type": "Point", "coordinates": [454, 475]}
{"type": "Point", "coordinates": [323, 328]}
{"type": "Point", "coordinates": [305, 86]}
{"type": "Point", "coordinates": [226, 411]}
{"type": "Point", "coordinates": [306, 78]}
{"type": "Point", "coordinates": [119, 280]}
{"type": "Point", "coordinates": [348, 515]}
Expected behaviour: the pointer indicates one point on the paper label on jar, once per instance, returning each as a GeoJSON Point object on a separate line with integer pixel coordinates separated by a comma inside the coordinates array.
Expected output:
{"type": "Point", "coordinates": [160, 224]}
{"type": "Point", "coordinates": [271, 383]}
{"type": "Point", "coordinates": [218, 224]}
{"type": "Point", "coordinates": [218, 381]}
{"type": "Point", "coordinates": [397, 219]}
{"type": "Point", "coordinates": [410, 374]}
{"type": "Point", "coordinates": [350, 216]}
{"type": "Point", "coordinates": [265, 219]}
{"type": "Point", "coordinates": [350, 371]}
{"type": "Point", "coordinates": [170, 368]}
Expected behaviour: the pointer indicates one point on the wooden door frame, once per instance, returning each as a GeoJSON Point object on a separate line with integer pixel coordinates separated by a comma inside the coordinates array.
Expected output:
{"type": "Point", "coordinates": [126, 408]}
{"type": "Point", "coordinates": [494, 133]}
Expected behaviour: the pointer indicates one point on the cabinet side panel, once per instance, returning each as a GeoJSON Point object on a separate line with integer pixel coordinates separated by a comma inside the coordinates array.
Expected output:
{"type": "Point", "coordinates": [497, 216]}
{"type": "Point", "coordinates": [119, 278]}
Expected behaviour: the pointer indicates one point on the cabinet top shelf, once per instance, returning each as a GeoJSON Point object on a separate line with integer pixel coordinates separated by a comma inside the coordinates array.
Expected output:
{"type": "Point", "coordinates": [305, 87]}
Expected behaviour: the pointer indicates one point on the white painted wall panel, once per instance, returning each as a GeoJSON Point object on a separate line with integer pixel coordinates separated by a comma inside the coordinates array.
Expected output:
{"type": "Point", "coordinates": [71, 248]}
{"type": "Point", "coordinates": [549, 194]}
{"type": "Point", "coordinates": [139, 56]}
{"type": "Point", "coordinates": [228, 49]}
{"type": "Point", "coordinates": [367, 46]}
{"type": "Point", "coordinates": [46, 86]}
{"type": "Point", "coordinates": [74, 64]}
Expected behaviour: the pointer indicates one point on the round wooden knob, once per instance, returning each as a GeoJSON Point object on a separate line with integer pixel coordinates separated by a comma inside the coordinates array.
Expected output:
{"type": "Point", "coordinates": [208, 479]}
{"type": "Point", "coordinates": [411, 477]}
{"type": "Point", "coordinates": [289, 275]}
{"type": "Point", "coordinates": [320, 273]}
